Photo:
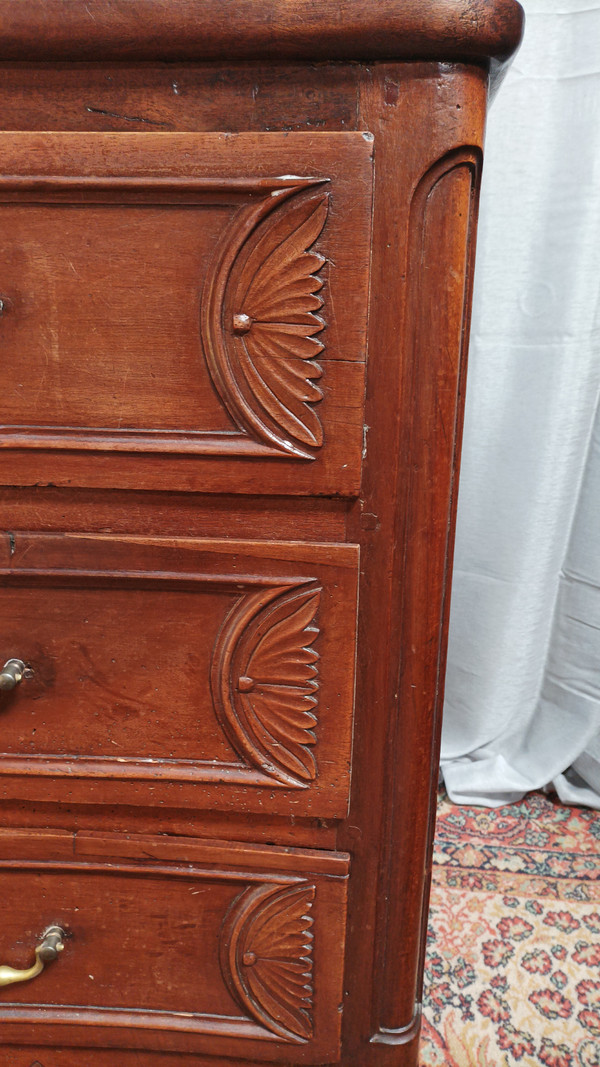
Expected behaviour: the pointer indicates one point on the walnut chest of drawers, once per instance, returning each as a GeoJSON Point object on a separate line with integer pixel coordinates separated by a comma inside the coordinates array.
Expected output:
{"type": "Point", "coordinates": [236, 248]}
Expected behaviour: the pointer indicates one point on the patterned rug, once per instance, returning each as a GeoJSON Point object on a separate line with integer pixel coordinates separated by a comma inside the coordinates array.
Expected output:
{"type": "Point", "coordinates": [513, 964]}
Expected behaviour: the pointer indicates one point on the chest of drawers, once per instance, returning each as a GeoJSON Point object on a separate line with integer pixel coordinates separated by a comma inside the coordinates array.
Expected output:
{"type": "Point", "coordinates": [236, 249]}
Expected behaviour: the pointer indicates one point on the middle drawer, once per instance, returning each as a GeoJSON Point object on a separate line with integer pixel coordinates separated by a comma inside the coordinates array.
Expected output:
{"type": "Point", "coordinates": [188, 672]}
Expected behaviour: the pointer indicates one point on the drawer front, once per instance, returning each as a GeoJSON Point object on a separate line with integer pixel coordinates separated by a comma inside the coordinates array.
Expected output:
{"type": "Point", "coordinates": [173, 302]}
{"type": "Point", "coordinates": [189, 672]}
{"type": "Point", "coordinates": [237, 951]}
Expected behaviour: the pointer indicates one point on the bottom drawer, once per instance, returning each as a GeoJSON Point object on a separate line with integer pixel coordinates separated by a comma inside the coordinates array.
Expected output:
{"type": "Point", "coordinates": [236, 952]}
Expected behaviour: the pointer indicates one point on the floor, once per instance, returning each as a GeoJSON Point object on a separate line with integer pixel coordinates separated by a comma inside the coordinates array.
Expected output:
{"type": "Point", "coordinates": [513, 964]}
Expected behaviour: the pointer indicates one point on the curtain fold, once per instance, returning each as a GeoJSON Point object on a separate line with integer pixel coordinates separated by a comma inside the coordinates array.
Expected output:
{"type": "Point", "coordinates": [523, 681]}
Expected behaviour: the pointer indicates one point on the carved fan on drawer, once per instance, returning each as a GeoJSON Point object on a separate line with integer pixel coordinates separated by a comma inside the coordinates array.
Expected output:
{"type": "Point", "coordinates": [269, 287]}
{"type": "Point", "coordinates": [267, 957]}
{"type": "Point", "coordinates": [265, 682]}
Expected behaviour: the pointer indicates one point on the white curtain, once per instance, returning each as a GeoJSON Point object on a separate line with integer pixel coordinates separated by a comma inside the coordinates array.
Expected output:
{"type": "Point", "coordinates": [523, 683]}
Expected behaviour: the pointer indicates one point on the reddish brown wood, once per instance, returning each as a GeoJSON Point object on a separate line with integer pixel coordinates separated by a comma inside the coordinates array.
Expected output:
{"type": "Point", "coordinates": [205, 673]}
{"type": "Point", "coordinates": [204, 30]}
{"type": "Point", "coordinates": [246, 945]}
{"type": "Point", "coordinates": [201, 307]}
{"type": "Point", "coordinates": [441, 223]}
{"type": "Point", "coordinates": [234, 571]}
{"type": "Point", "coordinates": [253, 827]}
{"type": "Point", "coordinates": [60, 1056]}
{"type": "Point", "coordinates": [239, 97]}
{"type": "Point", "coordinates": [176, 514]}
{"type": "Point", "coordinates": [403, 524]}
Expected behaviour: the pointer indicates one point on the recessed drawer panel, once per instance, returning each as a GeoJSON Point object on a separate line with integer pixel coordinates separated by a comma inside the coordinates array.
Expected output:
{"type": "Point", "coordinates": [184, 671]}
{"type": "Point", "coordinates": [171, 303]}
{"type": "Point", "coordinates": [231, 950]}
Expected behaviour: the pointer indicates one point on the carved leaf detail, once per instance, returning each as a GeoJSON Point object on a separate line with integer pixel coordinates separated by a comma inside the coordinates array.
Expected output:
{"type": "Point", "coordinates": [267, 685]}
{"type": "Point", "coordinates": [268, 957]}
{"type": "Point", "coordinates": [275, 320]}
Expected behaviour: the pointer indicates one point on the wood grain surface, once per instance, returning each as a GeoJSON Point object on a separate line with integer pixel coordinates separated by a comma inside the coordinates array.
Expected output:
{"type": "Point", "coordinates": [197, 613]}
{"type": "Point", "coordinates": [207, 30]}
{"type": "Point", "coordinates": [218, 674]}
{"type": "Point", "coordinates": [210, 324]}
{"type": "Point", "coordinates": [246, 945]}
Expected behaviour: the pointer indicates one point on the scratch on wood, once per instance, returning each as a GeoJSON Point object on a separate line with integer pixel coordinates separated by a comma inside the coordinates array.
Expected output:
{"type": "Point", "coordinates": [126, 118]}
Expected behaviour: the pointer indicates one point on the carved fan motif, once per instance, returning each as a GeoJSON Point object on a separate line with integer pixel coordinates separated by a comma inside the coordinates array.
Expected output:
{"type": "Point", "coordinates": [265, 683]}
{"type": "Point", "coordinates": [275, 320]}
{"type": "Point", "coordinates": [267, 957]}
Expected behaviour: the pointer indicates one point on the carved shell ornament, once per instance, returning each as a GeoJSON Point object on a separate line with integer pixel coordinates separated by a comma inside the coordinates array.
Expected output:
{"type": "Point", "coordinates": [262, 355]}
{"type": "Point", "coordinates": [267, 957]}
{"type": "Point", "coordinates": [265, 682]}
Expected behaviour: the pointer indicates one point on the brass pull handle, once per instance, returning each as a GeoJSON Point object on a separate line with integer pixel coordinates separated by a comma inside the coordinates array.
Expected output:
{"type": "Point", "coordinates": [47, 950]}
{"type": "Point", "coordinates": [13, 672]}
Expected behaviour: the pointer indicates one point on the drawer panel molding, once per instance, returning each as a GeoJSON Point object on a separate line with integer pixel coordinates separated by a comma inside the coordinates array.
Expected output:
{"type": "Point", "coordinates": [185, 311]}
{"type": "Point", "coordinates": [210, 673]}
{"type": "Point", "coordinates": [237, 944]}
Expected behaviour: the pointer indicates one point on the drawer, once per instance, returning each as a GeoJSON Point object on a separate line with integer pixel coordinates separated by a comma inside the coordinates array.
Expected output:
{"type": "Point", "coordinates": [173, 302]}
{"type": "Point", "coordinates": [207, 673]}
{"type": "Point", "coordinates": [239, 945]}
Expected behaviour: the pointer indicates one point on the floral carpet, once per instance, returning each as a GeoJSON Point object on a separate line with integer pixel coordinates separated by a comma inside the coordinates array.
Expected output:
{"type": "Point", "coordinates": [513, 963]}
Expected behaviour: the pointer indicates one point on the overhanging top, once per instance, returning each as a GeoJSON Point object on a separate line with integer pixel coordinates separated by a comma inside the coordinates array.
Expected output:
{"type": "Point", "coordinates": [482, 31]}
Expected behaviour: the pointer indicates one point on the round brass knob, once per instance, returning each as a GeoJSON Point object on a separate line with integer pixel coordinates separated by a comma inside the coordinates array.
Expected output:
{"type": "Point", "coordinates": [13, 672]}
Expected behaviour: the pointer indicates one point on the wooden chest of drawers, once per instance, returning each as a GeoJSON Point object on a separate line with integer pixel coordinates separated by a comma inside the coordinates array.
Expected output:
{"type": "Point", "coordinates": [236, 248]}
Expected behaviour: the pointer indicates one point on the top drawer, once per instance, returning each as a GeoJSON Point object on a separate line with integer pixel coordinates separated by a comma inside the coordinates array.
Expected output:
{"type": "Point", "coordinates": [172, 302]}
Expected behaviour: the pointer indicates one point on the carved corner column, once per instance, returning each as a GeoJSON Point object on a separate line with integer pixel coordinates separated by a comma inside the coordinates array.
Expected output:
{"type": "Point", "coordinates": [424, 228]}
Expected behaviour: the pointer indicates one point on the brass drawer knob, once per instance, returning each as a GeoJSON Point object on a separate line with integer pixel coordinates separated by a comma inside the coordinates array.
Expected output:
{"type": "Point", "coordinates": [47, 950]}
{"type": "Point", "coordinates": [13, 672]}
